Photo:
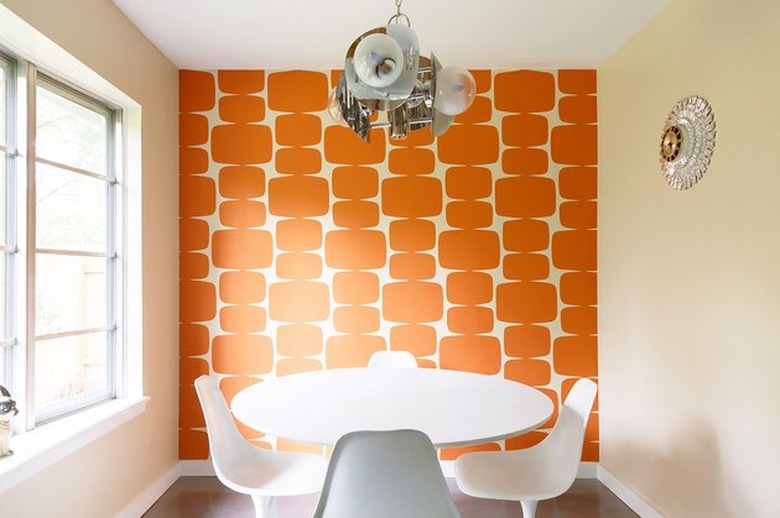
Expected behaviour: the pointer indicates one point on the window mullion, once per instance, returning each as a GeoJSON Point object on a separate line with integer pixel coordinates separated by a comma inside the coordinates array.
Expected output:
{"type": "Point", "coordinates": [29, 246]}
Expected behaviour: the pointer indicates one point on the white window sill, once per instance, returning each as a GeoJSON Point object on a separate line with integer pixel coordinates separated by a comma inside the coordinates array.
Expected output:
{"type": "Point", "coordinates": [40, 448]}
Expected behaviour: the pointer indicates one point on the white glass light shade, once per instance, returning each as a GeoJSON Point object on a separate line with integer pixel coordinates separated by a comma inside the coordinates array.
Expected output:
{"type": "Point", "coordinates": [378, 60]}
{"type": "Point", "coordinates": [455, 90]}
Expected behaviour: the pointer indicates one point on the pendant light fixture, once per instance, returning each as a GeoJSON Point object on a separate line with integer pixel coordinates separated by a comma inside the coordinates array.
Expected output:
{"type": "Point", "coordinates": [384, 72]}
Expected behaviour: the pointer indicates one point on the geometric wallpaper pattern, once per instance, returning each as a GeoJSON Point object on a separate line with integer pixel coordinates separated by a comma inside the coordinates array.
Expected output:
{"type": "Point", "coordinates": [303, 247]}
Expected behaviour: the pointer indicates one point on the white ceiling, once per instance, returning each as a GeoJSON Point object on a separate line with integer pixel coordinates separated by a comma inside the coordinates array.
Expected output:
{"type": "Point", "coordinates": [312, 34]}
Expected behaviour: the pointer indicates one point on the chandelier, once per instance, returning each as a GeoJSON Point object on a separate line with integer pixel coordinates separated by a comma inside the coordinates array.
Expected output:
{"type": "Point", "coordinates": [384, 72]}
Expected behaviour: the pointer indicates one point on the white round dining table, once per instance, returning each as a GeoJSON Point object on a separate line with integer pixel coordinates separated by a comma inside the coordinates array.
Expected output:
{"type": "Point", "coordinates": [453, 408]}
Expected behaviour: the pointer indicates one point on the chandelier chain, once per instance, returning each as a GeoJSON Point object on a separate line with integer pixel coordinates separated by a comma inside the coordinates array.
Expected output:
{"type": "Point", "coordinates": [399, 16]}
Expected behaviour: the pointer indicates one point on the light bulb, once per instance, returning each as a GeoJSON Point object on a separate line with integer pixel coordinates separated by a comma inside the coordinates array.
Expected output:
{"type": "Point", "coordinates": [378, 60]}
{"type": "Point", "coordinates": [455, 90]}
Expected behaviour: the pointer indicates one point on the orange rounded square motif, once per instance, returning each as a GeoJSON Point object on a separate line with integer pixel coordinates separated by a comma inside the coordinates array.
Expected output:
{"type": "Point", "coordinates": [193, 444]}
{"type": "Point", "coordinates": [299, 340]}
{"type": "Point", "coordinates": [298, 235]}
{"type": "Point", "coordinates": [483, 79]}
{"type": "Point", "coordinates": [193, 234]}
{"type": "Point", "coordinates": [355, 287]}
{"type": "Point", "coordinates": [241, 108]}
{"type": "Point", "coordinates": [525, 441]}
{"type": "Point", "coordinates": [469, 183]}
{"type": "Point", "coordinates": [578, 183]}
{"type": "Point", "coordinates": [193, 340]}
{"type": "Point", "coordinates": [241, 182]}
{"type": "Point", "coordinates": [190, 413]}
{"type": "Point", "coordinates": [524, 130]}
{"type": "Point", "coordinates": [241, 144]}
{"type": "Point", "coordinates": [481, 110]}
{"type": "Point", "coordinates": [299, 266]}
{"type": "Point", "coordinates": [578, 214]}
{"type": "Point", "coordinates": [471, 353]}
{"type": "Point", "coordinates": [469, 288]}
{"type": "Point", "coordinates": [232, 385]}
{"type": "Point", "coordinates": [193, 160]}
{"type": "Point", "coordinates": [242, 213]}
{"type": "Point", "coordinates": [412, 266]}
{"type": "Point", "coordinates": [574, 144]}
{"type": "Point", "coordinates": [454, 453]}
{"type": "Point", "coordinates": [526, 267]}
{"type": "Point", "coordinates": [525, 161]}
{"type": "Point", "coordinates": [412, 197]}
{"type": "Point", "coordinates": [342, 146]}
{"type": "Point", "coordinates": [411, 161]}
{"type": "Point", "coordinates": [287, 366]}
{"type": "Point", "coordinates": [191, 368]}
{"type": "Point", "coordinates": [469, 214]}
{"type": "Point", "coordinates": [528, 371]}
{"type": "Point", "coordinates": [242, 319]}
{"type": "Point", "coordinates": [576, 356]}
{"type": "Point", "coordinates": [526, 302]}
{"type": "Point", "coordinates": [355, 249]}
{"type": "Point", "coordinates": [351, 350]}
{"type": "Point", "coordinates": [241, 81]}
{"type": "Point", "coordinates": [469, 249]}
{"type": "Point", "coordinates": [417, 339]}
{"type": "Point", "coordinates": [469, 145]}
{"type": "Point", "coordinates": [193, 266]}
{"type": "Point", "coordinates": [298, 160]}
{"type": "Point", "coordinates": [577, 81]}
{"type": "Point", "coordinates": [298, 129]}
{"type": "Point", "coordinates": [298, 91]}
{"type": "Point", "coordinates": [299, 301]}
{"type": "Point", "coordinates": [242, 249]}
{"type": "Point", "coordinates": [355, 183]}
{"type": "Point", "coordinates": [419, 137]}
{"type": "Point", "coordinates": [355, 214]}
{"type": "Point", "coordinates": [197, 92]}
{"type": "Point", "coordinates": [527, 341]}
{"type": "Point", "coordinates": [538, 91]}
{"type": "Point", "coordinates": [356, 319]}
{"type": "Point", "coordinates": [193, 129]}
{"type": "Point", "coordinates": [579, 320]}
{"type": "Point", "coordinates": [412, 235]}
{"type": "Point", "coordinates": [197, 195]}
{"type": "Point", "coordinates": [578, 109]}
{"type": "Point", "coordinates": [242, 354]}
{"type": "Point", "coordinates": [470, 320]}
{"type": "Point", "coordinates": [241, 287]}
{"type": "Point", "coordinates": [525, 197]}
{"type": "Point", "coordinates": [197, 301]}
{"type": "Point", "coordinates": [578, 288]}
{"type": "Point", "coordinates": [412, 302]}
{"type": "Point", "coordinates": [298, 196]}
{"type": "Point", "coordinates": [574, 249]}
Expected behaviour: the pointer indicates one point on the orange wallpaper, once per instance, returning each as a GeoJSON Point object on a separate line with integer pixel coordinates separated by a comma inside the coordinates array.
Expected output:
{"type": "Point", "coordinates": [304, 248]}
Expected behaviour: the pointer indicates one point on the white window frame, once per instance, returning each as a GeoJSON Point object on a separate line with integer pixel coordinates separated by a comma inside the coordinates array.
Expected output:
{"type": "Point", "coordinates": [46, 444]}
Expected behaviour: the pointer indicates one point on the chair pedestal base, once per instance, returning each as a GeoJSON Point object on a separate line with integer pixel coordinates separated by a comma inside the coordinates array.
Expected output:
{"type": "Point", "coordinates": [262, 505]}
{"type": "Point", "coordinates": [529, 508]}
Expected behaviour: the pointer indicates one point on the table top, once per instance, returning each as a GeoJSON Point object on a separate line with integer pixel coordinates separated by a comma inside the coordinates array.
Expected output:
{"type": "Point", "coordinates": [453, 408]}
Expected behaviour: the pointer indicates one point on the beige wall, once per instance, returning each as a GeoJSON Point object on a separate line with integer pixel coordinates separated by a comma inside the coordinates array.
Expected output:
{"type": "Point", "coordinates": [103, 478]}
{"type": "Point", "coordinates": [689, 281]}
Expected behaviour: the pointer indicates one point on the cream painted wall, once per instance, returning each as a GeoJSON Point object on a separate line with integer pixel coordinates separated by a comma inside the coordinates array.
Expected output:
{"type": "Point", "coordinates": [689, 287]}
{"type": "Point", "coordinates": [102, 479]}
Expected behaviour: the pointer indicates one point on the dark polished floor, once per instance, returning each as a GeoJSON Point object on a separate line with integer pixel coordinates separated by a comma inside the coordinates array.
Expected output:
{"type": "Point", "coordinates": [201, 497]}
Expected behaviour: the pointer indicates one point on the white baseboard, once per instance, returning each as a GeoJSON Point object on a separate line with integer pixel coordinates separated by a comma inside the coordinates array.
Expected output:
{"type": "Point", "coordinates": [150, 495]}
{"type": "Point", "coordinates": [629, 497]}
{"type": "Point", "coordinates": [196, 468]}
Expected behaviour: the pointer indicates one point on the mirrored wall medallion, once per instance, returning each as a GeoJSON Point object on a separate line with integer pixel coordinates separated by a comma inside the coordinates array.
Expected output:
{"type": "Point", "coordinates": [687, 142]}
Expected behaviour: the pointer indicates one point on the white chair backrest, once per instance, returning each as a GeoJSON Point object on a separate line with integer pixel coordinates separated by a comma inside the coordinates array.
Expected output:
{"type": "Point", "coordinates": [229, 449]}
{"type": "Point", "coordinates": [385, 474]}
{"type": "Point", "coordinates": [563, 447]}
{"type": "Point", "coordinates": [392, 359]}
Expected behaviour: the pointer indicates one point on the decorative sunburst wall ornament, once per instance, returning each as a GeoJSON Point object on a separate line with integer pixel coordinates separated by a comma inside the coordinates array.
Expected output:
{"type": "Point", "coordinates": [687, 142]}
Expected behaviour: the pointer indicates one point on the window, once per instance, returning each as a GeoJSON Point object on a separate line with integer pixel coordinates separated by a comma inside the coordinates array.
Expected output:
{"type": "Point", "coordinates": [60, 238]}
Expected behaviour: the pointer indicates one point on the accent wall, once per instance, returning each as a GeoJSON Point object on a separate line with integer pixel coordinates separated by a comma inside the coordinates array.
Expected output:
{"type": "Point", "coordinates": [303, 247]}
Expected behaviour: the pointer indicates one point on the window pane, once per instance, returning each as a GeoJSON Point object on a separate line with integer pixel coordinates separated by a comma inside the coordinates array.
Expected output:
{"type": "Point", "coordinates": [71, 293]}
{"type": "Point", "coordinates": [69, 367]}
{"type": "Point", "coordinates": [71, 210]}
{"type": "Point", "coordinates": [69, 133]}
